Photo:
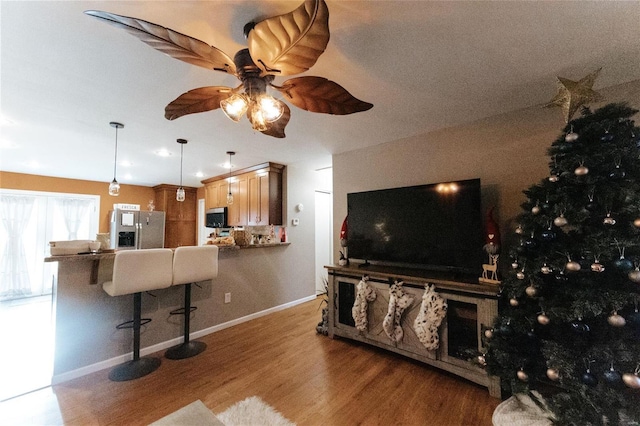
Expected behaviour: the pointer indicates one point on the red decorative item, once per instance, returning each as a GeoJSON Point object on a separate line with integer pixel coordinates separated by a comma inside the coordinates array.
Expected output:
{"type": "Point", "coordinates": [492, 234]}
{"type": "Point", "coordinates": [343, 233]}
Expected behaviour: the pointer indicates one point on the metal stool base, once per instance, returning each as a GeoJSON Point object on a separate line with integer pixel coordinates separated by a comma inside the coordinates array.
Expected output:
{"type": "Point", "coordinates": [134, 369]}
{"type": "Point", "coordinates": [185, 350]}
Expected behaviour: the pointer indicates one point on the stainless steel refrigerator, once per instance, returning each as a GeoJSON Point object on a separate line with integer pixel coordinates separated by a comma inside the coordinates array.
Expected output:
{"type": "Point", "coordinates": [136, 229]}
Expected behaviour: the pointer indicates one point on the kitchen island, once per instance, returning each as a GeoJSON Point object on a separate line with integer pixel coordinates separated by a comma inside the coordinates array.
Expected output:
{"type": "Point", "coordinates": [85, 317]}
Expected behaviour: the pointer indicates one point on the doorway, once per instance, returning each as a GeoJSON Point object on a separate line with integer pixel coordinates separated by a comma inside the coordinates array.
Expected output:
{"type": "Point", "coordinates": [324, 242]}
{"type": "Point", "coordinates": [30, 220]}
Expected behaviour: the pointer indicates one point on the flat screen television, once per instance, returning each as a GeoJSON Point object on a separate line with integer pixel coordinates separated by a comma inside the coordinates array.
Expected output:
{"type": "Point", "coordinates": [435, 227]}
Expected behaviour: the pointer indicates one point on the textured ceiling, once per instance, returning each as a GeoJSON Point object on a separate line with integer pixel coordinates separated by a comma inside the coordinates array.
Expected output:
{"type": "Point", "coordinates": [424, 65]}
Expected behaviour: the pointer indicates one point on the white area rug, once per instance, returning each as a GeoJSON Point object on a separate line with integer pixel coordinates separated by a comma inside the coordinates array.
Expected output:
{"type": "Point", "coordinates": [252, 412]}
{"type": "Point", "coordinates": [249, 412]}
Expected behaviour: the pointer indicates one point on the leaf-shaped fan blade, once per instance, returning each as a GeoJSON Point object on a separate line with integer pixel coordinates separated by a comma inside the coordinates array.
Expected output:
{"type": "Point", "coordinates": [317, 94]}
{"type": "Point", "coordinates": [197, 100]}
{"type": "Point", "coordinates": [276, 129]}
{"type": "Point", "coordinates": [172, 43]}
{"type": "Point", "coordinates": [291, 43]}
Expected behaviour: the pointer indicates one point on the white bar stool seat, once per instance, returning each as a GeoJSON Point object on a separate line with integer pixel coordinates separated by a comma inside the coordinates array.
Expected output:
{"type": "Point", "coordinates": [136, 271]}
{"type": "Point", "coordinates": [191, 264]}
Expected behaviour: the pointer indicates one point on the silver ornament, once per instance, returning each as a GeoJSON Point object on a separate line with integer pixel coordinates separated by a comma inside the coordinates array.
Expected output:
{"type": "Point", "coordinates": [635, 275]}
{"type": "Point", "coordinates": [546, 269]}
{"type": "Point", "coordinates": [543, 319]}
{"type": "Point", "coordinates": [636, 223]}
{"type": "Point", "coordinates": [488, 333]}
{"type": "Point", "coordinates": [609, 220]}
{"type": "Point", "coordinates": [572, 266]}
{"type": "Point", "coordinates": [520, 275]}
{"type": "Point", "coordinates": [522, 376]}
{"type": "Point", "coordinates": [560, 221]}
{"type": "Point", "coordinates": [515, 265]}
{"type": "Point", "coordinates": [581, 171]}
{"type": "Point", "coordinates": [597, 267]}
{"type": "Point", "coordinates": [531, 291]}
{"type": "Point", "coordinates": [482, 360]}
{"type": "Point", "coordinates": [616, 320]}
{"type": "Point", "coordinates": [631, 380]}
{"type": "Point", "coordinates": [553, 374]}
{"type": "Point", "coordinates": [571, 137]}
{"type": "Point", "coordinates": [514, 302]}
{"type": "Point", "coordinates": [554, 178]}
{"type": "Point", "coordinates": [535, 209]}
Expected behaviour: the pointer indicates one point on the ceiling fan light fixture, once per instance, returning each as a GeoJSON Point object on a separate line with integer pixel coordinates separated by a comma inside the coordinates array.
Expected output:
{"type": "Point", "coordinates": [271, 108]}
{"type": "Point", "coordinates": [235, 106]}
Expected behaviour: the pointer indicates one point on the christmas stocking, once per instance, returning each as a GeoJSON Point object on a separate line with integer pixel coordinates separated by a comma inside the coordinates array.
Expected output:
{"type": "Point", "coordinates": [432, 311]}
{"type": "Point", "coordinates": [398, 302]}
{"type": "Point", "coordinates": [364, 294]}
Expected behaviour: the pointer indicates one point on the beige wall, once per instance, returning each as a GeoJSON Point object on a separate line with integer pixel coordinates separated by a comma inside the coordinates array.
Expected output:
{"type": "Point", "coordinates": [507, 152]}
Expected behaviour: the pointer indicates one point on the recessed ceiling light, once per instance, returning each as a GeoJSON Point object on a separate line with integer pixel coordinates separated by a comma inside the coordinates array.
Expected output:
{"type": "Point", "coordinates": [199, 174]}
{"type": "Point", "coordinates": [163, 152]}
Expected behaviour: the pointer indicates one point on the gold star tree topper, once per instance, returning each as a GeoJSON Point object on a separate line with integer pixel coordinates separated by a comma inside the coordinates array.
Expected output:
{"type": "Point", "coordinates": [573, 94]}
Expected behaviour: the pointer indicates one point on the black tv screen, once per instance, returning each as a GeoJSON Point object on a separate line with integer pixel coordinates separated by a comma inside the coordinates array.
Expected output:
{"type": "Point", "coordinates": [436, 226]}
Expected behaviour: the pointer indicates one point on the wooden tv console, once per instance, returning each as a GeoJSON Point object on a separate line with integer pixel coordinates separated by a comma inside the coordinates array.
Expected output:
{"type": "Point", "coordinates": [471, 309]}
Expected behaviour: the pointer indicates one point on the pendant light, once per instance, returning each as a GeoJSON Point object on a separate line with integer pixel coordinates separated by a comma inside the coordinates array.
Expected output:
{"type": "Point", "coordinates": [230, 195]}
{"type": "Point", "coordinates": [180, 191]}
{"type": "Point", "coordinates": [114, 186]}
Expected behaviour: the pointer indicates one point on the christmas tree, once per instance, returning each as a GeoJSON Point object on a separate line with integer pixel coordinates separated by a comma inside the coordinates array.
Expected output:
{"type": "Point", "coordinates": [569, 326]}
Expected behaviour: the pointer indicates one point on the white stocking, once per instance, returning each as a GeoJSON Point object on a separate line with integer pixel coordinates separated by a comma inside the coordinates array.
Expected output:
{"type": "Point", "coordinates": [364, 294]}
{"type": "Point", "coordinates": [398, 302]}
{"type": "Point", "coordinates": [432, 310]}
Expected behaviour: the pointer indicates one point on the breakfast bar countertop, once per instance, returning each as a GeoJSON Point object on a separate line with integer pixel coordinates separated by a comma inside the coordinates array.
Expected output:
{"type": "Point", "coordinates": [111, 254]}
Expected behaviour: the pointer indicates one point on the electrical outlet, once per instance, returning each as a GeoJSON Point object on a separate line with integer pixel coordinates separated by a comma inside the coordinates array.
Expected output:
{"type": "Point", "coordinates": [227, 298]}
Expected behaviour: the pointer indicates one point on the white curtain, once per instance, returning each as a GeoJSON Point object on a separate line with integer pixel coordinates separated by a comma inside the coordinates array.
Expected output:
{"type": "Point", "coordinates": [74, 211]}
{"type": "Point", "coordinates": [14, 271]}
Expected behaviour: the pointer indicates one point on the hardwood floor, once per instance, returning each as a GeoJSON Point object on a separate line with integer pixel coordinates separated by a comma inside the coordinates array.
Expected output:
{"type": "Point", "coordinates": [309, 378]}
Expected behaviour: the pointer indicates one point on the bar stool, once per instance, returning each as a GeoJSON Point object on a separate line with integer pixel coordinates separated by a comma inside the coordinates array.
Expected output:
{"type": "Point", "coordinates": [135, 271]}
{"type": "Point", "coordinates": [191, 264]}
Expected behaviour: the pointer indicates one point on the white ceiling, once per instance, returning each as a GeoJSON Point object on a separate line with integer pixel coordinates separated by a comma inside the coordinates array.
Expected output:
{"type": "Point", "coordinates": [424, 65]}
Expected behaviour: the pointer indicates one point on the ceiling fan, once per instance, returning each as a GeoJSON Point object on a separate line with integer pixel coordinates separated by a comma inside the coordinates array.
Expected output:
{"type": "Point", "coordinates": [282, 45]}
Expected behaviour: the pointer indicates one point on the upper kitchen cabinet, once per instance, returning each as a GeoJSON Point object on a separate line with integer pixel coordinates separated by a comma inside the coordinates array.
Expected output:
{"type": "Point", "coordinates": [257, 195]}
{"type": "Point", "coordinates": [181, 217]}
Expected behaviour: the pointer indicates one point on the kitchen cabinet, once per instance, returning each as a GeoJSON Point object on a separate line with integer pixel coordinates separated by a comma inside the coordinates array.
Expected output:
{"type": "Point", "coordinates": [180, 217]}
{"type": "Point", "coordinates": [257, 195]}
{"type": "Point", "coordinates": [238, 210]}
{"type": "Point", "coordinates": [211, 199]}
{"type": "Point", "coordinates": [259, 198]}
{"type": "Point", "coordinates": [215, 194]}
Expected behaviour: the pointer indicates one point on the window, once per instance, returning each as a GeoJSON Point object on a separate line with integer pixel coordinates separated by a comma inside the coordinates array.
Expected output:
{"type": "Point", "coordinates": [30, 219]}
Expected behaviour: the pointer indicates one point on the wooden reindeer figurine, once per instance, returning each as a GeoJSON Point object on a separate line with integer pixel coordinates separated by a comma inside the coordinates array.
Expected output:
{"type": "Point", "coordinates": [490, 270]}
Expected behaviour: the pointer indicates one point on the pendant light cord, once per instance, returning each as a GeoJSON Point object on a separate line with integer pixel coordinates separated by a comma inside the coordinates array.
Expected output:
{"type": "Point", "coordinates": [181, 151]}
{"type": "Point", "coordinates": [115, 157]}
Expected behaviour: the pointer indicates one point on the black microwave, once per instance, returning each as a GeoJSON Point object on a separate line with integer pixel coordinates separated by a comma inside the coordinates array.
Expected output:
{"type": "Point", "coordinates": [216, 218]}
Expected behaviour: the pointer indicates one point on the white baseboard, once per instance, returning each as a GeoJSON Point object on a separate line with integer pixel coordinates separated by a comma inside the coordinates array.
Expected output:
{"type": "Point", "coordinates": [112, 362]}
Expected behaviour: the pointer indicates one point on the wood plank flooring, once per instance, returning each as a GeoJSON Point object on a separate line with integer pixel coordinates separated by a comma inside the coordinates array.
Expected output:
{"type": "Point", "coordinates": [309, 378]}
